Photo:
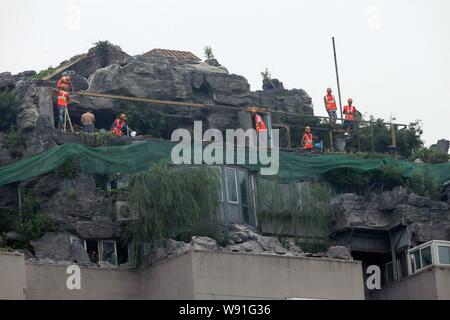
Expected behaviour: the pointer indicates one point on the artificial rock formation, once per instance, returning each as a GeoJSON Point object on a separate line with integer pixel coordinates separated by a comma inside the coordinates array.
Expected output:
{"type": "Point", "coordinates": [75, 205]}
{"type": "Point", "coordinates": [35, 119]}
{"type": "Point", "coordinates": [427, 219]}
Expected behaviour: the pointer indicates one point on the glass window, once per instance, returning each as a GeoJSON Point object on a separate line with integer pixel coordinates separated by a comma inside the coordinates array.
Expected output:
{"type": "Point", "coordinates": [243, 187]}
{"type": "Point", "coordinates": [230, 179]}
{"type": "Point", "coordinates": [109, 252]}
{"type": "Point", "coordinates": [416, 257]}
{"type": "Point", "coordinates": [426, 256]}
{"type": "Point", "coordinates": [444, 254]}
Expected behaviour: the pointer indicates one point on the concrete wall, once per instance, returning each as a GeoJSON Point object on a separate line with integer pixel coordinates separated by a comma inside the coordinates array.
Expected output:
{"type": "Point", "coordinates": [49, 282]}
{"type": "Point", "coordinates": [194, 275]}
{"type": "Point", "coordinates": [443, 282]}
{"type": "Point", "coordinates": [12, 276]}
{"type": "Point", "coordinates": [169, 279]}
{"type": "Point", "coordinates": [223, 275]}
{"type": "Point", "coordinates": [431, 284]}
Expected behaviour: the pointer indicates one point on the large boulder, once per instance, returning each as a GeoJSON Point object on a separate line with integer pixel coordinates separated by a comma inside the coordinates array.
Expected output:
{"type": "Point", "coordinates": [78, 81]}
{"type": "Point", "coordinates": [339, 252]}
{"type": "Point", "coordinates": [6, 80]}
{"type": "Point", "coordinates": [294, 100]}
{"type": "Point", "coordinates": [75, 205]}
{"type": "Point", "coordinates": [203, 243]}
{"type": "Point", "coordinates": [240, 233]}
{"type": "Point", "coordinates": [35, 120]}
{"type": "Point", "coordinates": [96, 58]}
{"type": "Point", "coordinates": [389, 200]}
{"type": "Point", "coordinates": [442, 145]}
{"type": "Point", "coordinates": [167, 79]}
{"type": "Point", "coordinates": [271, 244]}
{"type": "Point", "coordinates": [175, 248]}
{"type": "Point", "coordinates": [57, 246]}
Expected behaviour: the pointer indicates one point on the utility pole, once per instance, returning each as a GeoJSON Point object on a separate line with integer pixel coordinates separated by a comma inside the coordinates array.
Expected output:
{"type": "Point", "coordinates": [337, 79]}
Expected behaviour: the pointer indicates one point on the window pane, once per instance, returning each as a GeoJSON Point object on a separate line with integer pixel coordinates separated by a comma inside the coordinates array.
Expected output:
{"type": "Point", "coordinates": [243, 186]}
{"type": "Point", "coordinates": [426, 256]}
{"type": "Point", "coordinates": [417, 260]}
{"type": "Point", "coordinates": [444, 255]}
{"type": "Point", "coordinates": [109, 252]}
{"type": "Point", "coordinates": [230, 175]}
{"type": "Point", "coordinates": [221, 183]}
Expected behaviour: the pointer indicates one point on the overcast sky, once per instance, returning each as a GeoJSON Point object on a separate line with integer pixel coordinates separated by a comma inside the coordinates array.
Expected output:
{"type": "Point", "coordinates": [394, 55]}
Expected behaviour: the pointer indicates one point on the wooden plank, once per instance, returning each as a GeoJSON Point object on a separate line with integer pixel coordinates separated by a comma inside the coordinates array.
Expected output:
{"type": "Point", "coordinates": [139, 99]}
{"type": "Point", "coordinates": [64, 67]}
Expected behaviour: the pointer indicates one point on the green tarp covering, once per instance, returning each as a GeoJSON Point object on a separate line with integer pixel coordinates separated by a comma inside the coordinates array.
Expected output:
{"type": "Point", "coordinates": [140, 156]}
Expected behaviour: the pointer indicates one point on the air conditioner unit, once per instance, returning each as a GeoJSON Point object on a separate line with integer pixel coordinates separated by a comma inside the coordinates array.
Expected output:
{"type": "Point", "coordinates": [123, 212]}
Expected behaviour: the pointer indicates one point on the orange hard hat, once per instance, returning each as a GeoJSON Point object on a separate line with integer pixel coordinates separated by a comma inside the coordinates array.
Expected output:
{"type": "Point", "coordinates": [123, 116]}
{"type": "Point", "coordinates": [307, 129]}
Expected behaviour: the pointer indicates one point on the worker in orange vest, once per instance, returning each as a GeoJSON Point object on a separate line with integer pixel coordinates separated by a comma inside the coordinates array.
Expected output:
{"type": "Point", "coordinates": [119, 125]}
{"type": "Point", "coordinates": [307, 139]}
{"type": "Point", "coordinates": [259, 122]}
{"type": "Point", "coordinates": [330, 105]}
{"type": "Point", "coordinates": [63, 101]}
{"type": "Point", "coordinates": [349, 114]}
{"type": "Point", "coordinates": [64, 85]}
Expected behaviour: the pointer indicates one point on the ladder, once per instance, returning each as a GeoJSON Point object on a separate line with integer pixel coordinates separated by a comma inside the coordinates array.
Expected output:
{"type": "Point", "coordinates": [67, 120]}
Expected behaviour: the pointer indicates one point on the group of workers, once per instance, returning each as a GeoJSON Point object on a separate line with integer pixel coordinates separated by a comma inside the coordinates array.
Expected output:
{"type": "Point", "coordinates": [65, 87]}
{"type": "Point", "coordinates": [119, 125]}
{"type": "Point", "coordinates": [307, 140]}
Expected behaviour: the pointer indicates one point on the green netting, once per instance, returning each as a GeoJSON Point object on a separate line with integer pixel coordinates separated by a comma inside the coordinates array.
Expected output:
{"type": "Point", "coordinates": [140, 156]}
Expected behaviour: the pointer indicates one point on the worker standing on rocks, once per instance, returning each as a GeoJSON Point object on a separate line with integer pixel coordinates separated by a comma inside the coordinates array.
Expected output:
{"type": "Point", "coordinates": [88, 121]}
{"type": "Point", "coordinates": [64, 85]}
{"type": "Point", "coordinates": [307, 139]}
{"type": "Point", "coordinates": [330, 106]}
{"type": "Point", "coordinates": [349, 112]}
{"type": "Point", "coordinates": [119, 125]}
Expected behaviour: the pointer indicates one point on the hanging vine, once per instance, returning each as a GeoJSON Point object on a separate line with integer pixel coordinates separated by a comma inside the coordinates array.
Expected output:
{"type": "Point", "coordinates": [296, 209]}
{"type": "Point", "coordinates": [168, 200]}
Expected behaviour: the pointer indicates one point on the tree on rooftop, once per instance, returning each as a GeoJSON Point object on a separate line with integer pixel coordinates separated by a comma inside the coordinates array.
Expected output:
{"type": "Point", "coordinates": [208, 53]}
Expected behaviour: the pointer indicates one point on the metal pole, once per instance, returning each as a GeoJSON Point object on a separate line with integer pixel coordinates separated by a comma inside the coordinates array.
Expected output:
{"type": "Point", "coordinates": [337, 79]}
{"type": "Point", "coordinates": [331, 141]}
{"type": "Point", "coordinates": [372, 137]}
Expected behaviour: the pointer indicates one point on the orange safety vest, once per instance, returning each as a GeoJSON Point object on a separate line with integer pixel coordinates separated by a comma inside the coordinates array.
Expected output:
{"type": "Point", "coordinates": [349, 111]}
{"type": "Point", "coordinates": [330, 102]}
{"type": "Point", "coordinates": [117, 128]}
{"type": "Point", "coordinates": [260, 125]}
{"type": "Point", "coordinates": [308, 141]}
{"type": "Point", "coordinates": [63, 98]}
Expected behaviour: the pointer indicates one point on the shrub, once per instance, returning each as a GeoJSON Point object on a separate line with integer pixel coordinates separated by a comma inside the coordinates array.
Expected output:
{"type": "Point", "coordinates": [208, 53]}
{"type": "Point", "coordinates": [102, 48]}
{"type": "Point", "coordinates": [362, 183]}
{"type": "Point", "coordinates": [8, 109]}
{"type": "Point", "coordinates": [43, 73]}
{"type": "Point", "coordinates": [430, 155]}
{"type": "Point", "coordinates": [14, 142]}
{"type": "Point", "coordinates": [423, 184]}
{"type": "Point", "coordinates": [70, 169]}
{"type": "Point", "coordinates": [31, 223]}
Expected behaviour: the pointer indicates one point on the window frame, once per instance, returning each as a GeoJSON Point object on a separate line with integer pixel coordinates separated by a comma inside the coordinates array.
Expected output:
{"type": "Point", "coordinates": [100, 244]}
{"type": "Point", "coordinates": [235, 185]}
{"type": "Point", "coordinates": [435, 259]}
